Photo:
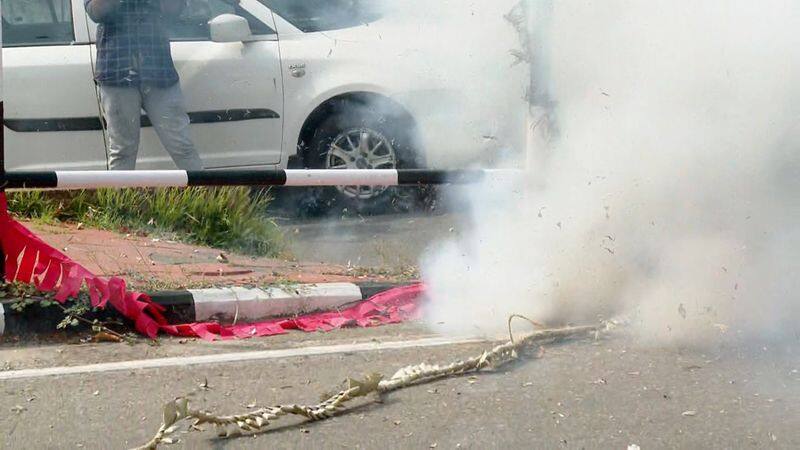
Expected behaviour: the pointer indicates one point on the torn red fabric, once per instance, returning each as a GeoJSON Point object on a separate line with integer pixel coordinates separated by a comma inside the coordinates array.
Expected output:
{"type": "Point", "coordinates": [29, 259]}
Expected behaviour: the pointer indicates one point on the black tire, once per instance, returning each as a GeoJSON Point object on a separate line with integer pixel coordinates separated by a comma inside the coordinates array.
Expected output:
{"type": "Point", "coordinates": [352, 116]}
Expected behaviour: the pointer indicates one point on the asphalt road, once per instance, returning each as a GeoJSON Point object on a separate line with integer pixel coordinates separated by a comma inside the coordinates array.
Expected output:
{"type": "Point", "coordinates": [388, 241]}
{"type": "Point", "coordinates": [607, 393]}
{"type": "Point", "coordinates": [381, 242]}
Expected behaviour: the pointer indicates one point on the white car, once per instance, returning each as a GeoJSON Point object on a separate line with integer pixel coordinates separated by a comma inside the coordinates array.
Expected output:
{"type": "Point", "coordinates": [268, 84]}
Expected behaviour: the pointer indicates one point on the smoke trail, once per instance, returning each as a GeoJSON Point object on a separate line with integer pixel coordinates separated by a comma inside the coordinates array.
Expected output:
{"type": "Point", "coordinates": [673, 193]}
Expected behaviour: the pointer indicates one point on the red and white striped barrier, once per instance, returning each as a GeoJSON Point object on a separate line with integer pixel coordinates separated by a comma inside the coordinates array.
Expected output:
{"type": "Point", "coordinates": [66, 180]}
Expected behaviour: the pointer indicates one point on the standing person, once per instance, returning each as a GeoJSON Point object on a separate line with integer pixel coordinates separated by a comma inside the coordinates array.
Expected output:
{"type": "Point", "coordinates": [135, 71]}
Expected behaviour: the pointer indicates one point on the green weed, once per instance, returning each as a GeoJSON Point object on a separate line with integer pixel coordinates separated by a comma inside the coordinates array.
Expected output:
{"type": "Point", "coordinates": [227, 217]}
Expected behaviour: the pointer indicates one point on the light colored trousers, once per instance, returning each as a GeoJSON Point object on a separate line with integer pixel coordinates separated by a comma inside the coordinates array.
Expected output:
{"type": "Point", "coordinates": [122, 108]}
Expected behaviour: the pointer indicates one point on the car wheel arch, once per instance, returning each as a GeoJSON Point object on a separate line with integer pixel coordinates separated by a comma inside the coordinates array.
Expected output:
{"type": "Point", "coordinates": [337, 103]}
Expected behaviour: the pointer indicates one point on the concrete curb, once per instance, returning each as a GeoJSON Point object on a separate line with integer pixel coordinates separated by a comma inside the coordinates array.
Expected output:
{"type": "Point", "coordinates": [224, 305]}
{"type": "Point", "coordinates": [242, 305]}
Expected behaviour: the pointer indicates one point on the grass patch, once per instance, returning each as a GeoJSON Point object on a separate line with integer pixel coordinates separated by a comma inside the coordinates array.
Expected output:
{"type": "Point", "coordinates": [231, 218]}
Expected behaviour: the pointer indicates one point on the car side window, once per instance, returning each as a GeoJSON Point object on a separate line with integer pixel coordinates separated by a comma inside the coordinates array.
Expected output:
{"type": "Point", "coordinates": [37, 22]}
{"type": "Point", "coordinates": [192, 25]}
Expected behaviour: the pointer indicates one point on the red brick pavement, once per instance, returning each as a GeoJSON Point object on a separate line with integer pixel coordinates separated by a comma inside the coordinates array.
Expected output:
{"type": "Point", "coordinates": [148, 263]}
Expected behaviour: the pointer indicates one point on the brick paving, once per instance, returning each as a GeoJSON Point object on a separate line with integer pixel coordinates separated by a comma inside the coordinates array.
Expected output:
{"type": "Point", "coordinates": [148, 262]}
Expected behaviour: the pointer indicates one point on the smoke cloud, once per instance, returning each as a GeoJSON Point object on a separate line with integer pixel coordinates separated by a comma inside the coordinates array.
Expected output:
{"type": "Point", "coordinates": [672, 192]}
{"type": "Point", "coordinates": [458, 54]}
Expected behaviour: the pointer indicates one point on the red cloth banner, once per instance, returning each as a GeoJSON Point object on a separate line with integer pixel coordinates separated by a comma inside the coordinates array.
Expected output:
{"type": "Point", "coordinates": [29, 259]}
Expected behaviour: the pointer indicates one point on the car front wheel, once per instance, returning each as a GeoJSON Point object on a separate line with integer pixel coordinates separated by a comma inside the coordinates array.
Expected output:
{"type": "Point", "coordinates": [361, 137]}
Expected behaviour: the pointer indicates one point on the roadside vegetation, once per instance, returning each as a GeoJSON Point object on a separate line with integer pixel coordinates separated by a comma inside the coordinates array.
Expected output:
{"type": "Point", "coordinates": [75, 315]}
{"type": "Point", "coordinates": [227, 218]}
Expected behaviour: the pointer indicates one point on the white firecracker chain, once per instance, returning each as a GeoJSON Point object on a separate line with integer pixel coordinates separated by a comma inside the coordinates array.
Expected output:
{"type": "Point", "coordinates": [257, 421]}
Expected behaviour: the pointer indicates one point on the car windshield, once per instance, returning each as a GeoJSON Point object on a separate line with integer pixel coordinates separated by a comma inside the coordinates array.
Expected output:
{"type": "Point", "coordinates": [325, 15]}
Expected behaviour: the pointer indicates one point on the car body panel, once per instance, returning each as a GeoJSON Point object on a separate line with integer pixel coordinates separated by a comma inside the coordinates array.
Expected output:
{"type": "Point", "coordinates": [458, 122]}
{"type": "Point", "coordinates": [80, 144]}
{"type": "Point", "coordinates": [283, 78]}
{"type": "Point", "coordinates": [40, 132]}
{"type": "Point", "coordinates": [240, 86]}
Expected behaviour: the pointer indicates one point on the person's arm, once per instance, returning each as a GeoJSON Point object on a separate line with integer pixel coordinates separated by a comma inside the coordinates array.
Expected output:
{"type": "Point", "coordinates": [101, 10]}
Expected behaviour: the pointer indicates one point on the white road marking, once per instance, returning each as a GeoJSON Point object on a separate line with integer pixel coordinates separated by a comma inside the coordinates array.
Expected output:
{"type": "Point", "coordinates": [232, 357]}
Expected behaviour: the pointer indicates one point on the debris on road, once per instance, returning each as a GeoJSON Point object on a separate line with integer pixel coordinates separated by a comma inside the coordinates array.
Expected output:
{"type": "Point", "coordinates": [204, 385]}
{"type": "Point", "coordinates": [106, 337]}
{"type": "Point", "coordinates": [178, 410]}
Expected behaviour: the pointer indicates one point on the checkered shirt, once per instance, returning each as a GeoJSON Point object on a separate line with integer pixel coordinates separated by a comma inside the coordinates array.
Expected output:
{"type": "Point", "coordinates": [133, 47]}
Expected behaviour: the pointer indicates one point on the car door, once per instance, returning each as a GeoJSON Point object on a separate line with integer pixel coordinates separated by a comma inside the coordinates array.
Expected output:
{"type": "Point", "coordinates": [233, 91]}
{"type": "Point", "coordinates": [52, 118]}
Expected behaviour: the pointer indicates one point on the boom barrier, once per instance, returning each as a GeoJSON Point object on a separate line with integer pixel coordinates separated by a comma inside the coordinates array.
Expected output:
{"type": "Point", "coordinates": [67, 180]}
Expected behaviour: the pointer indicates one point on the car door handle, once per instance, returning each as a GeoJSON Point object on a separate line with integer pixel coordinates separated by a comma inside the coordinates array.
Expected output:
{"type": "Point", "coordinates": [297, 70]}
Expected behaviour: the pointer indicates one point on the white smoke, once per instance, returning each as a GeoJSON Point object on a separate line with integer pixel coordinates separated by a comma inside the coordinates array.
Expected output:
{"type": "Point", "coordinates": [459, 53]}
{"type": "Point", "coordinates": [673, 193]}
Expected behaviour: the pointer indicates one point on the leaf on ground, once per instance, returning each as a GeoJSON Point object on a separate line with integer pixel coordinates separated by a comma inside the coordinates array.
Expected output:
{"type": "Point", "coordinates": [104, 336]}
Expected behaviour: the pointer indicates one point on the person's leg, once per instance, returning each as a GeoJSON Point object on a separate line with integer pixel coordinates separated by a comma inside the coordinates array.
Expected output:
{"type": "Point", "coordinates": [167, 113]}
{"type": "Point", "coordinates": [122, 108]}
